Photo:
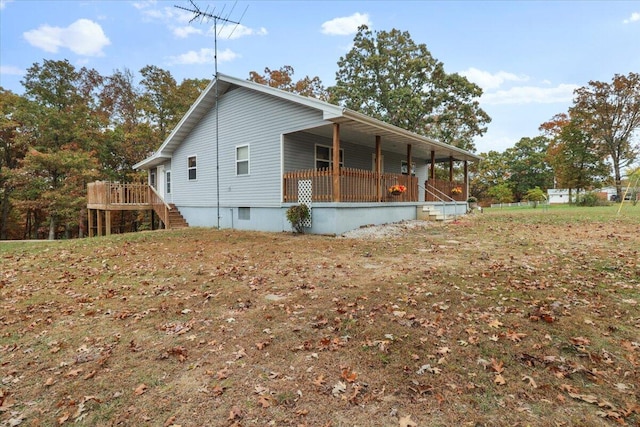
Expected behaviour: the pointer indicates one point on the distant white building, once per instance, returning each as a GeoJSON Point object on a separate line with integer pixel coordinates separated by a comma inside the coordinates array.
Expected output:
{"type": "Point", "coordinates": [560, 195]}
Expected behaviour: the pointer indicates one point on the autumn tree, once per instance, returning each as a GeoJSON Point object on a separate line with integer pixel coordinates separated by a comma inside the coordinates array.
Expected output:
{"type": "Point", "coordinates": [283, 79]}
{"type": "Point", "coordinates": [528, 165]}
{"type": "Point", "coordinates": [15, 137]}
{"type": "Point", "coordinates": [577, 161]}
{"type": "Point", "coordinates": [68, 127]}
{"type": "Point", "coordinates": [610, 115]}
{"type": "Point", "coordinates": [388, 76]}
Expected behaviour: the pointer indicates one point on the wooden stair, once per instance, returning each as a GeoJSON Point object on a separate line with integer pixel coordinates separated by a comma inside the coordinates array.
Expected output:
{"type": "Point", "coordinates": [176, 220]}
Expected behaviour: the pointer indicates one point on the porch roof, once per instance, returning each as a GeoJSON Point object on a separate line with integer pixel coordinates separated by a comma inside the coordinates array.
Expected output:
{"type": "Point", "coordinates": [354, 126]}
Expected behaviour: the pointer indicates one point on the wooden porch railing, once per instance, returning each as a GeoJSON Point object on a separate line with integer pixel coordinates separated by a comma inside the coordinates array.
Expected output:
{"type": "Point", "coordinates": [356, 185]}
{"type": "Point", "coordinates": [442, 186]}
{"type": "Point", "coordinates": [160, 207]}
{"type": "Point", "coordinates": [101, 194]}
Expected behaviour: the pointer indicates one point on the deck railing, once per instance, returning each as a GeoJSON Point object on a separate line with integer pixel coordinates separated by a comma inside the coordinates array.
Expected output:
{"type": "Point", "coordinates": [356, 185]}
{"type": "Point", "coordinates": [159, 206]}
{"type": "Point", "coordinates": [106, 193]}
{"type": "Point", "coordinates": [443, 187]}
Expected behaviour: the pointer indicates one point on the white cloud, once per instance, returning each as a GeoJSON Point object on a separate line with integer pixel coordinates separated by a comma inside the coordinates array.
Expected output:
{"type": "Point", "coordinates": [184, 32]}
{"type": "Point", "coordinates": [4, 3]}
{"type": "Point", "coordinates": [346, 25]}
{"type": "Point", "coordinates": [235, 31]}
{"type": "Point", "coordinates": [488, 81]}
{"type": "Point", "coordinates": [144, 4]}
{"type": "Point", "coordinates": [203, 56]}
{"type": "Point", "coordinates": [83, 37]}
{"type": "Point", "coordinates": [635, 17]}
{"type": "Point", "coordinates": [530, 95]}
{"type": "Point", "coordinates": [10, 70]}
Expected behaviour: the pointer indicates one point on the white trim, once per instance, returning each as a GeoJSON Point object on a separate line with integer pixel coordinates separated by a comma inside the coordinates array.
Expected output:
{"type": "Point", "coordinates": [330, 161]}
{"type": "Point", "coordinates": [248, 160]}
{"type": "Point", "coordinates": [189, 167]}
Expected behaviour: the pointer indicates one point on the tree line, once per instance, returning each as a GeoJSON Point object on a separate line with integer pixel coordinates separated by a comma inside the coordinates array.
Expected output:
{"type": "Point", "coordinates": [72, 126]}
{"type": "Point", "coordinates": [593, 144]}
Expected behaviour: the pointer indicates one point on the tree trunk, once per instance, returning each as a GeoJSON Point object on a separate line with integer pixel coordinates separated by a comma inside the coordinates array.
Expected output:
{"type": "Point", "coordinates": [5, 215]}
{"type": "Point", "coordinates": [52, 228]}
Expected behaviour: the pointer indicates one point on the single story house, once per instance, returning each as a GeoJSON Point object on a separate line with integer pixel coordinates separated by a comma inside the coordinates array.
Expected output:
{"type": "Point", "coordinates": [245, 152]}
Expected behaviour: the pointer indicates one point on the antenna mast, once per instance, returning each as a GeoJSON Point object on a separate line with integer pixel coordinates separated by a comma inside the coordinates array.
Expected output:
{"type": "Point", "coordinates": [202, 15]}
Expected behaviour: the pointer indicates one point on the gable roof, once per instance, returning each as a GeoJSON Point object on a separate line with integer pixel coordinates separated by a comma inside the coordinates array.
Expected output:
{"type": "Point", "coordinates": [352, 121]}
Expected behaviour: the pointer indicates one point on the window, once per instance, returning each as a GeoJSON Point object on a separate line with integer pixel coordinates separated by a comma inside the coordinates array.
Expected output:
{"type": "Point", "coordinates": [152, 178]}
{"type": "Point", "coordinates": [191, 167]}
{"type": "Point", "coordinates": [404, 168]}
{"type": "Point", "coordinates": [168, 175]}
{"type": "Point", "coordinates": [324, 157]}
{"type": "Point", "coordinates": [242, 160]}
{"type": "Point", "coordinates": [244, 213]}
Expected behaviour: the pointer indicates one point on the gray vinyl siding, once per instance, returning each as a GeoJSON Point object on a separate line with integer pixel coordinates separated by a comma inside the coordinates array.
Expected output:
{"type": "Point", "coordinates": [299, 154]}
{"type": "Point", "coordinates": [246, 118]}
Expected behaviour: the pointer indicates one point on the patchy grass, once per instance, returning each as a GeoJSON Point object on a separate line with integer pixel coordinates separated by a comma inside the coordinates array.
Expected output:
{"type": "Point", "coordinates": [512, 317]}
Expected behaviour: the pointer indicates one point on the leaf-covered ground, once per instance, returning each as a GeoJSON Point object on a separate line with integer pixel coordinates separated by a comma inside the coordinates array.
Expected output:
{"type": "Point", "coordinates": [510, 318]}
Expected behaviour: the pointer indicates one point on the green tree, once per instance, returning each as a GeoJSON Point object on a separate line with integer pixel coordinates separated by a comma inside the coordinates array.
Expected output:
{"type": "Point", "coordinates": [528, 165]}
{"type": "Point", "coordinates": [535, 195]}
{"type": "Point", "coordinates": [610, 114]}
{"type": "Point", "coordinates": [68, 127]}
{"type": "Point", "coordinates": [283, 79]}
{"type": "Point", "coordinates": [388, 76]}
{"type": "Point", "coordinates": [577, 161]}
{"type": "Point", "coordinates": [493, 170]}
{"type": "Point", "coordinates": [501, 193]}
{"type": "Point", "coordinates": [15, 137]}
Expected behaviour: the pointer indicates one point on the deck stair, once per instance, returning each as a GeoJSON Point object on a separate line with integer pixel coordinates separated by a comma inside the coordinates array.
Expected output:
{"type": "Point", "coordinates": [176, 220]}
{"type": "Point", "coordinates": [431, 213]}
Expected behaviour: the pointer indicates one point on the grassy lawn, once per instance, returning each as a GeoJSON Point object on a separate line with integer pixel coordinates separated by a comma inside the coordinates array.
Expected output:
{"type": "Point", "coordinates": [512, 317]}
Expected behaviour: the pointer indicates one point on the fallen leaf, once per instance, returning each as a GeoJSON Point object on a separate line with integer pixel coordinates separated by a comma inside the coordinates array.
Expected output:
{"type": "Point", "coordinates": [140, 389]}
{"type": "Point", "coordinates": [264, 401]}
{"type": "Point", "coordinates": [530, 380]}
{"type": "Point", "coordinates": [406, 421]}
{"type": "Point", "coordinates": [319, 381]}
{"type": "Point", "coordinates": [348, 375]}
{"type": "Point", "coordinates": [338, 388]}
{"type": "Point", "coordinates": [497, 366]}
{"type": "Point", "coordinates": [499, 380]}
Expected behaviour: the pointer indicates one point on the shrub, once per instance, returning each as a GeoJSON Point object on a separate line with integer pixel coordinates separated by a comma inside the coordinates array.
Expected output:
{"type": "Point", "coordinates": [296, 215]}
{"type": "Point", "coordinates": [589, 199]}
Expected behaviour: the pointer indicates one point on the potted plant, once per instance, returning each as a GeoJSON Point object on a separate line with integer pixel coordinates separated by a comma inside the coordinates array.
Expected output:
{"type": "Point", "coordinates": [456, 190]}
{"type": "Point", "coordinates": [473, 202]}
{"type": "Point", "coordinates": [397, 189]}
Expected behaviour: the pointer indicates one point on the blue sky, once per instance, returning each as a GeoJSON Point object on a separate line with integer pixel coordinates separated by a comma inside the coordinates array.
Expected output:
{"type": "Point", "coordinates": [528, 56]}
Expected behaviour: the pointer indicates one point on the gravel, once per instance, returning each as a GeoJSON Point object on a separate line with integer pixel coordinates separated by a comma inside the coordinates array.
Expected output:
{"type": "Point", "coordinates": [385, 230]}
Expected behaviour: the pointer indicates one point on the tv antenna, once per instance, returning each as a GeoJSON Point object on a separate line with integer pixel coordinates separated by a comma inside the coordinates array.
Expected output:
{"type": "Point", "coordinates": [216, 17]}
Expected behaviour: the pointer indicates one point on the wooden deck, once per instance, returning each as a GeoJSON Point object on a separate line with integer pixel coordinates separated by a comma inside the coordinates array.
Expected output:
{"type": "Point", "coordinates": [104, 197]}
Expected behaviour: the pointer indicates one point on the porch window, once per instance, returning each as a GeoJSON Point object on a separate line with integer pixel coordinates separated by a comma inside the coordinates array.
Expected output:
{"type": "Point", "coordinates": [324, 157]}
{"type": "Point", "coordinates": [404, 168]}
{"type": "Point", "coordinates": [191, 167]}
{"type": "Point", "coordinates": [152, 178]}
{"type": "Point", "coordinates": [242, 160]}
{"type": "Point", "coordinates": [168, 175]}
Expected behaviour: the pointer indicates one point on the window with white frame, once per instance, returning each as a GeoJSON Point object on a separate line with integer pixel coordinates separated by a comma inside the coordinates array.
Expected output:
{"type": "Point", "coordinates": [191, 168]}
{"type": "Point", "coordinates": [242, 160]}
{"type": "Point", "coordinates": [404, 168]}
{"type": "Point", "coordinates": [324, 157]}
{"type": "Point", "coordinates": [168, 181]}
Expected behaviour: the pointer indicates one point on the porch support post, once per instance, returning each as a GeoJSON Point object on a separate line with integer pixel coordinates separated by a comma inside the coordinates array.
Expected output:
{"type": "Point", "coordinates": [466, 178]}
{"type": "Point", "coordinates": [336, 162]}
{"type": "Point", "coordinates": [107, 215]}
{"type": "Point", "coordinates": [450, 168]}
{"type": "Point", "coordinates": [433, 165]}
{"type": "Point", "coordinates": [99, 215]}
{"type": "Point", "coordinates": [90, 221]}
{"type": "Point", "coordinates": [378, 168]}
{"type": "Point", "coordinates": [409, 186]}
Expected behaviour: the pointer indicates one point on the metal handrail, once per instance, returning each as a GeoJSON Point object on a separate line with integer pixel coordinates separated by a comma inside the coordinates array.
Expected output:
{"type": "Point", "coordinates": [451, 199]}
